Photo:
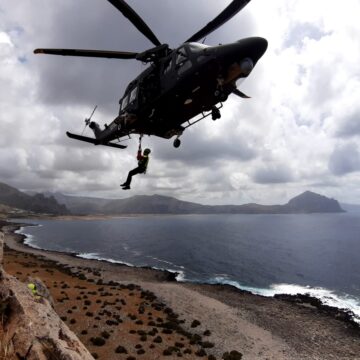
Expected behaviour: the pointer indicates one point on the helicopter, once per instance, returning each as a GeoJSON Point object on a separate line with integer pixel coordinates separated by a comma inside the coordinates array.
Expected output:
{"type": "Point", "coordinates": [193, 80]}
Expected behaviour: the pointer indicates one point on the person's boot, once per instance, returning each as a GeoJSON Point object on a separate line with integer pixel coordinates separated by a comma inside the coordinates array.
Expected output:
{"type": "Point", "coordinates": [126, 187]}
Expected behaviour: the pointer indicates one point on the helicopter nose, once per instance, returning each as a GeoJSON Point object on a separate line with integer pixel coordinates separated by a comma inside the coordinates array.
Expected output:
{"type": "Point", "coordinates": [254, 47]}
{"type": "Point", "coordinates": [250, 49]}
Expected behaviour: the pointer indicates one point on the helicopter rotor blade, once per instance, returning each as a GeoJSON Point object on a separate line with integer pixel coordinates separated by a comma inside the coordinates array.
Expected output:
{"type": "Point", "coordinates": [135, 19]}
{"type": "Point", "coordinates": [88, 53]}
{"type": "Point", "coordinates": [231, 10]}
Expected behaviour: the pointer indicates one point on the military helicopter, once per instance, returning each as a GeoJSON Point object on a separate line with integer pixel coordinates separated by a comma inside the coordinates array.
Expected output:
{"type": "Point", "coordinates": [179, 84]}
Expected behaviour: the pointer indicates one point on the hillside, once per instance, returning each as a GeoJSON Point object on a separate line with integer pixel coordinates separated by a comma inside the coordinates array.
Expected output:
{"type": "Point", "coordinates": [37, 203]}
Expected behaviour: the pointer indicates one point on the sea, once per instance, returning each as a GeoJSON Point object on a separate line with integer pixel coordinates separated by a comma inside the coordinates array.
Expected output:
{"type": "Point", "coordinates": [315, 254]}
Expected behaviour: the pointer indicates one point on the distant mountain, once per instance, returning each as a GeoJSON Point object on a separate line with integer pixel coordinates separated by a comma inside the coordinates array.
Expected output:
{"type": "Point", "coordinates": [37, 203]}
{"type": "Point", "coordinates": [57, 203]}
{"type": "Point", "coordinates": [80, 205]}
{"type": "Point", "coordinates": [153, 204]}
{"type": "Point", "coordinates": [308, 202]}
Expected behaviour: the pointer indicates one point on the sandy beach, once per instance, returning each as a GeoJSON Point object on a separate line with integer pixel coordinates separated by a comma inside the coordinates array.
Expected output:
{"type": "Point", "coordinates": [121, 312]}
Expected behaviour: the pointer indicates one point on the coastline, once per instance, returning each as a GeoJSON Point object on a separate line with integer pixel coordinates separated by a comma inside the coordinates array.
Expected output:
{"type": "Point", "coordinates": [344, 307]}
{"type": "Point", "coordinates": [16, 242]}
{"type": "Point", "coordinates": [259, 327]}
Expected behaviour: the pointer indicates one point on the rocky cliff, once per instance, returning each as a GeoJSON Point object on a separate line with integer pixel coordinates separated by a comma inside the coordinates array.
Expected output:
{"type": "Point", "coordinates": [30, 329]}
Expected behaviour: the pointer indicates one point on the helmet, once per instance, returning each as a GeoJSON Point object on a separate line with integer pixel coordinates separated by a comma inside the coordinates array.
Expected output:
{"type": "Point", "coordinates": [147, 151]}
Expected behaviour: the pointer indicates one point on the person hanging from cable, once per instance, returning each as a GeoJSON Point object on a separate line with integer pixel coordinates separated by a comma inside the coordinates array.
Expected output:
{"type": "Point", "coordinates": [143, 161]}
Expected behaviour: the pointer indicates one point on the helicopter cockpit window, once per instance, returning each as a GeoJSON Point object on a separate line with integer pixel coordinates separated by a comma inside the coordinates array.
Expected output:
{"type": "Point", "coordinates": [183, 62]}
{"type": "Point", "coordinates": [200, 50]}
{"type": "Point", "coordinates": [125, 102]}
{"type": "Point", "coordinates": [133, 95]}
{"type": "Point", "coordinates": [181, 56]}
{"type": "Point", "coordinates": [196, 47]}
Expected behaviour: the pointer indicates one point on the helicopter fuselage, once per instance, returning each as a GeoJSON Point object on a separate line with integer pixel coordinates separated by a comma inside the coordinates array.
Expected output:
{"type": "Point", "coordinates": [191, 80]}
{"type": "Point", "coordinates": [178, 85]}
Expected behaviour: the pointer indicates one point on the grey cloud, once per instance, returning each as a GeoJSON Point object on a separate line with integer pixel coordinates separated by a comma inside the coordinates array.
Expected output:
{"type": "Point", "coordinates": [273, 174]}
{"type": "Point", "coordinates": [301, 31]}
{"type": "Point", "coordinates": [345, 159]}
{"type": "Point", "coordinates": [324, 184]}
{"type": "Point", "coordinates": [12, 162]}
{"type": "Point", "coordinates": [319, 90]}
{"type": "Point", "coordinates": [90, 185]}
{"type": "Point", "coordinates": [83, 83]}
{"type": "Point", "coordinates": [197, 150]}
{"type": "Point", "coordinates": [350, 126]}
{"type": "Point", "coordinates": [80, 161]}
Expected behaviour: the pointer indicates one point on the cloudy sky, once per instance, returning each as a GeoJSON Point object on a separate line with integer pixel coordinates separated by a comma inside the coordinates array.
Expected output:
{"type": "Point", "coordinates": [299, 131]}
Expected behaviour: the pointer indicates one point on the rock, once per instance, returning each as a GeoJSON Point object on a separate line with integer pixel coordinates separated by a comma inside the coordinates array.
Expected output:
{"type": "Point", "coordinates": [33, 328]}
{"type": "Point", "coordinates": [346, 316]}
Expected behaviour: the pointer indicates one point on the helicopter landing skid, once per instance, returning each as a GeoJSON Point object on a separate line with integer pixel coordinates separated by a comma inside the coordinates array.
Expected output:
{"type": "Point", "coordinates": [203, 116]}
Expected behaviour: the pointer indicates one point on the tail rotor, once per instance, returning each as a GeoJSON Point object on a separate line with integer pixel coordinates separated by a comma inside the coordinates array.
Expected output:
{"type": "Point", "coordinates": [87, 121]}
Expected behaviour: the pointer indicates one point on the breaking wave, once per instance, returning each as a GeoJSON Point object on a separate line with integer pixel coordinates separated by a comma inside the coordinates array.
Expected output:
{"type": "Point", "coordinates": [95, 256]}
{"type": "Point", "coordinates": [327, 297]}
{"type": "Point", "coordinates": [28, 238]}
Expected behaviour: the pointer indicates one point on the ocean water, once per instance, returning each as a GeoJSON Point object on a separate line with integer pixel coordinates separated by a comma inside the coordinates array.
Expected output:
{"type": "Point", "coordinates": [316, 254]}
